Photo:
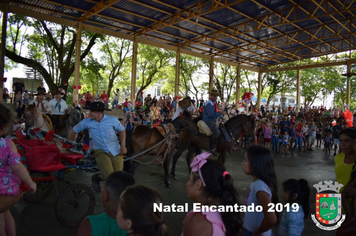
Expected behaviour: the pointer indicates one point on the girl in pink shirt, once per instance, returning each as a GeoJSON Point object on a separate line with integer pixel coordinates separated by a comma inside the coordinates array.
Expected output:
{"type": "Point", "coordinates": [11, 172]}
{"type": "Point", "coordinates": [211, 186]}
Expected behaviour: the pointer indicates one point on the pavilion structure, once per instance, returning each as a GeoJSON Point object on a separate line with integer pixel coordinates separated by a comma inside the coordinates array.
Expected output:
{"type": "Point", "coordinates": [261, 36]}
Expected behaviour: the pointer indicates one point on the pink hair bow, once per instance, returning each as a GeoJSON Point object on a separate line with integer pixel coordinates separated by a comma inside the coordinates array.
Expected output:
{"type": "Point", "coordinates": [198, 162]}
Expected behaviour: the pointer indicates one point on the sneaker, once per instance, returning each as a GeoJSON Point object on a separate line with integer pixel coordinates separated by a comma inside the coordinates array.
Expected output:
{"type": "Point", "coordinates": [95, 179]}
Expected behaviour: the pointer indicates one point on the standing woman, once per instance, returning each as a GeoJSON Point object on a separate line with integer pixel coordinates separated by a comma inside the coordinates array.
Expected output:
{"type": "Point", "coordinates": [345, 171]}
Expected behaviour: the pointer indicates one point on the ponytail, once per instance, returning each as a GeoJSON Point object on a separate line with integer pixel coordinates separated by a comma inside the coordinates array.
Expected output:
{"type": "Point", "coordinates": [220, 187]}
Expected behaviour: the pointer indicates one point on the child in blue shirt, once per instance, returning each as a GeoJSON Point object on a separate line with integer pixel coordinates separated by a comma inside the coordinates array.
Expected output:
{"type": "Point", "coordinates": [294, 192]}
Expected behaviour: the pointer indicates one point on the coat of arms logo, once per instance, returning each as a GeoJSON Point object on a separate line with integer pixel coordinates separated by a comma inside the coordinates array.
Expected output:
{"type": "Point", "coordinates": [328, 206]}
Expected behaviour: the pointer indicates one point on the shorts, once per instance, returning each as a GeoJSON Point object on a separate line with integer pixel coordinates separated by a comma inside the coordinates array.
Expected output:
{"type": "Point", "coordinates": [336, 141]}
{"type": "Point", "coordinates": [326, 144]}
{"type": "Point", "coordinates": [267, 140]}
{"type": "Point", "coordinates": [318, 136]}
{"type": "Point", "coordinates": [284, 143]}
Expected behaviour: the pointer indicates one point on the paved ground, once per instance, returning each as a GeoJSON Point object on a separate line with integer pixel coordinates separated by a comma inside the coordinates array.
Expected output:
{"type": "Point", "coordinates": [39, 219]}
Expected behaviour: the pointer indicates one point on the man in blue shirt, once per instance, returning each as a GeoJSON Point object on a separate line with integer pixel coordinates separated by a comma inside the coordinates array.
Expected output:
{"type": "Point", "coordinates": [210, 114]}
{"type": "Point", "coordinates": [107, 150]}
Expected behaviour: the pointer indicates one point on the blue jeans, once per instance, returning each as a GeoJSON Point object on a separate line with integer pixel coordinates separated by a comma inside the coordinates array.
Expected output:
{"type": "Point", "coordinates": [275, 142]}
{"type": "Point", "coordinates": [212, 125]}
{"type": "Point", "coordinates": [298, 141]}
{"type": "Point", "coordinates": [114, 104]}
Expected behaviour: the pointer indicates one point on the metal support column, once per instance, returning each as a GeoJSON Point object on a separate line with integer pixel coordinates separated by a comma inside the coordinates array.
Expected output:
{"type": "Point", "coordinates": [259, 90]}
{"type": "Point", "coordinates": [298, 90]}
{"type": "Point", "coordinates": [2, 50]}
{"type": "Point", "coordinates": [176, 84]}
{"type": "Point", "coordinates": [348, 92]}
{"type": "Point", "coordinates": [238, 81]}
{"type": "Point", "coordinates": [211, 73]}
{"type": "Point", "coordinates": [133, 72]}
{"type": "Point", "coordinates": [77, 61]}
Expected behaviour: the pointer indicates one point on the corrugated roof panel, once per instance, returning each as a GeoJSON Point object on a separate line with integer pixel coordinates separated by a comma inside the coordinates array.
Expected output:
{"type": "Point", "coordinates": [165, 36]}
{"type": "Point", "coordinates": [160, 13]}
{"type": "Point", "coordinates": [111, 22]}
{"type": "Point", "coordinates": [192, 26]}
{"type": "Point", "coordinates": [123, 16]}
{"type": "Point", "coordinates": [178, 32]}
{"type": "Point", "coordinates": [224, 17]}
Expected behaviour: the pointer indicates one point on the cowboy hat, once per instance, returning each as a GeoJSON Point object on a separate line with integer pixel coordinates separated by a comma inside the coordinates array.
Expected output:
{"type": "Point", "coordinates": [214, 92]}
{"type": "Point", "coordinates": [97, 106]}
{"type": "Point", "coordinates": [40, 92]}
{"type": "Point", "coordinates": [185, 103]}
{"type": "Point", "coordinates": [57, 92]}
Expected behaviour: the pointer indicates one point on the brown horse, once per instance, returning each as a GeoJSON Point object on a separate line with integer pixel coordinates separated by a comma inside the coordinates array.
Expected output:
{"type": "Point", "coordinates": [189, 139]}
{"type": "Point", "coordinates": [144, 137]}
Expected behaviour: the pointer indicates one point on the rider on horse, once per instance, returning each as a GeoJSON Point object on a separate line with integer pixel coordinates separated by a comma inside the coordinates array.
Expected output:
{"type": "Point", "coordinates": [210, 114]}
{"type": "Point", "coordinates": [41, 103]}
{"type": "Point", "coordinates": [184, 105]}
{"type": "Point", "coordinates": [59, 108]}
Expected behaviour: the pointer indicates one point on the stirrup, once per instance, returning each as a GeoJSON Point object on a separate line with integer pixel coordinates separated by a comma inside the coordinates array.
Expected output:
{"type": "Point", "coordinates": [214, 152]}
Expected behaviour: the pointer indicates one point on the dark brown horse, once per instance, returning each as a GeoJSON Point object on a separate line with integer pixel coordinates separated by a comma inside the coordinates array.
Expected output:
{"type": "Point", "coordinates": [144, 137]}
{"type": "Point", "coordinates": [189, 139]}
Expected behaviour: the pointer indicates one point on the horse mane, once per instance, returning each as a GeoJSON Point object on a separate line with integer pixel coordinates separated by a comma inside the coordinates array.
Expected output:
{"type": "Point", "coordinates": [30, 108]}
{"type": "Point", "coordinates": [187, 114]}
{"type": "Point", "coordinates": [233, 119]}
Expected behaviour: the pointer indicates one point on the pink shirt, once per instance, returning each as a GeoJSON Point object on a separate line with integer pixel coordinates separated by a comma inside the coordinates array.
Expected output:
{"type": "Point", "coordinates": [9, 182]}
{"type": "Point", "coordinates": [214, 218]}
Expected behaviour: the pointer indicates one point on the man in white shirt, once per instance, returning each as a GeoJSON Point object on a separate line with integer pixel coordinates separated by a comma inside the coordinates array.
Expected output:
{"type": "Point", "coordinates": [42, 103]}
{"type": "Point", "coordinates": [59, 108]}
{"type": "Point", "coordinates": [185, 104]}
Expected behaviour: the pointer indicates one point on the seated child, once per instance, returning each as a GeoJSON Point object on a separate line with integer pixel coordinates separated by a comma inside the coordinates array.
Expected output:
{"type": "Point", "coordinates": [105, 223]}
{"type": "Point", "coordinates": [135, 212]}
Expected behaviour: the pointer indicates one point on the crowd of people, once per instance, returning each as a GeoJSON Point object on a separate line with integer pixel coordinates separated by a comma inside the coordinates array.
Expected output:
{"type": "Point", "coordinates": [129, 207]}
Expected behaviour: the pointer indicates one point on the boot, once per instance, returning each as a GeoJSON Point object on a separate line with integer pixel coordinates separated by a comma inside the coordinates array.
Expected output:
{"type": "Point", "coordinates": [213, 142]}
{"type": "Point", "coordinates": [95, 179]}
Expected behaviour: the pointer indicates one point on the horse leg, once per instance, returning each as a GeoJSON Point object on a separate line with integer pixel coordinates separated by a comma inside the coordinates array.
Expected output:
{"type": "Point", "coordinates": [189, 156]}
{"type": "Point", "coordinates": [131, 168]}
{"type": "Point", "coordinates": [175, 159]}
{"type": "Point", "coordinates": [166, 170]}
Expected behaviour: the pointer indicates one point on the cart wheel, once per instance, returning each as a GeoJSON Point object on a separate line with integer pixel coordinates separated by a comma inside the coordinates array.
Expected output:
{"type": "Point", "coordinates": [74, 204]}
{"type": "Point", "coordinates": [43, 188]}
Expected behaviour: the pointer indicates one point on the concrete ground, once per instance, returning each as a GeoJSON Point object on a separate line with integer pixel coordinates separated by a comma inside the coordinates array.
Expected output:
{"type": "Point", "coordinates": [39, 219]}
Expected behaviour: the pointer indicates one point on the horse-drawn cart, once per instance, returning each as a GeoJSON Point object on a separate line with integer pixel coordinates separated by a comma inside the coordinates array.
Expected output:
{"type": "Point", "coordinates": [47, 165]}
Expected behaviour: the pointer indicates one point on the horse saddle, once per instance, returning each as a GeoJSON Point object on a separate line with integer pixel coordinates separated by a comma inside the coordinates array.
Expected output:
{"type": "Point", "coordinates": [46, 118]}
{"type": "Point", "coordinates": [165, 128]}
{"type": "Point", "coordinates": [204, 129]}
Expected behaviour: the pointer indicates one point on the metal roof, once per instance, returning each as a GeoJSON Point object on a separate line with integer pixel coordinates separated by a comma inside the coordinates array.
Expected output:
{"type": "Point", "coordinates": [254, 33]}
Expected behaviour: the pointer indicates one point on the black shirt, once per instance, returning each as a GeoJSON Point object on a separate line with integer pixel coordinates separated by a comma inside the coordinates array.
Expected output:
{"type": "Point", "coordinates": [41, 89]}
{"type": "Point", "coordinates": [19, 87]}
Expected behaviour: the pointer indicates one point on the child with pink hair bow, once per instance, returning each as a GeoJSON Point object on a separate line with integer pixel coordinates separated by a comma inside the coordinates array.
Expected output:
{"type": "Point", "coordinates": [211, 185]}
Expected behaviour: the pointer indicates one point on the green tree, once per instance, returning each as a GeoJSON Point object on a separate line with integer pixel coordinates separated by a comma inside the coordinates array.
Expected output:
{"type": "Point", "coordinates": [150, 63]}
{"type": "Point", "coordinates": [116, 57]}
{"type": "Point", "coordinates": [53, 48]}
